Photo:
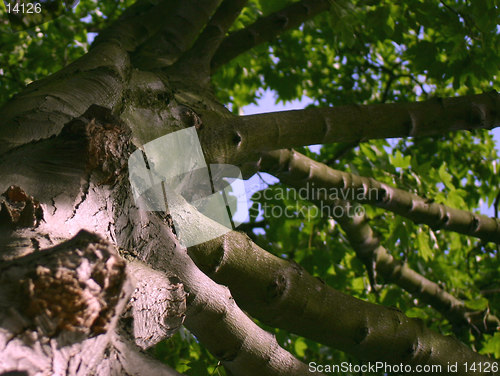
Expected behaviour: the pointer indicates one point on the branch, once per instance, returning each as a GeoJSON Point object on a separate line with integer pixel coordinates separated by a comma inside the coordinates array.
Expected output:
{"type": "Point", "coordinates": [354, 123]}
{"type": "Point", "coordinates": [368, 248]}
{"type": "Point", "coordinates": [135, 25]}
{"type": "Point", "coordinates": [42, 109]}
{"type": "Point", "coordinates": [107, 207]}
{"type": "Point", "coordinates": [267, 28]}
{"type": "Point", "coordinates": [212, 36]}
{"type": "Point", "coordinates": [212, 314]}
{"type": "Point", "coordinates": [176, 29]}
{"type": "Point", "coordinates": [284, 295]}
{"type": "Point", "coordinates": [297, 168]}
{"type": "Point", "coordinates": [157, 35]}
{"type": "Point", "coordinates": [298, 171]}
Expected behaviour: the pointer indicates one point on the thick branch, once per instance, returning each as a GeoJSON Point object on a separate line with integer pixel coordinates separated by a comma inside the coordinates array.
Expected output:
{"type": "Point", "coordinates": [210, 39]}
{"type": "Point", "coordinates": [284, 295]}
{"type": "Point", "coordinates": [137, 23]}
{"type": "Point", "coordinates": [44, 107]}
{"type": "Point", "coordinates": [369, 249]}
{"type": "Point", "coordinates": [176, 31]}
{"type": "Point", "coordinates": [353, 123]}
{"type": "Point", "coordinates": [276, 291]}
{"type": "Point", "coordinates": [267, 28]}
{"type": "Point", "coordinates": [298, 169]}
{"type": "Point", "coordinates": [107, 207]}
{"type": "Point", "coordinates": [212, 314]}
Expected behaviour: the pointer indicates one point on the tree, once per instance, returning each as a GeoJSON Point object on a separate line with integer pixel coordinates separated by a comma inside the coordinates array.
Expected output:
{"type": "Point", "coordinates": [89, 280]}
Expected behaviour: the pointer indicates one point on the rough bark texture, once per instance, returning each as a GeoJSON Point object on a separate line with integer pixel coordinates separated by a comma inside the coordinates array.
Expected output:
{"type": "Point", "coordinates": [157, 307]}
{"type": "Point", "coordinates": [96, 195]}
{"type": "Point", "coordinates": [59, 309]}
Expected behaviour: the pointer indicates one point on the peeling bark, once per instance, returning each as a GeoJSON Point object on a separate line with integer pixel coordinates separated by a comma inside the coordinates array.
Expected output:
{"type": "Point", "coordinates": [156, 307]}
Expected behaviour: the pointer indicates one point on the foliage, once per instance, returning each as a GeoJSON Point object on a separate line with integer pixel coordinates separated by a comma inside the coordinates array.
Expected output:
{"type": "Point", "coordinates": [32, 54]}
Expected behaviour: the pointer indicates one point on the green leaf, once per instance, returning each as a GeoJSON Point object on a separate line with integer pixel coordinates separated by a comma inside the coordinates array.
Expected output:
{"type": "Point", "coordinates": [300, 346]}
{"type": "Point", "coordinates": [400, 161]}
{"type": "Point", "coordinates": [417, 313]}
{"type": "Point", "coordinates": [424, 250]}
{"type": "Point", "coordinates": [358, 284]}
{"type": "Point", "coordinates": [445, 177]}
{"type": "Point", "coordinates": [479, 304]}
{"type": "Point", "coordinates": [491, 345]}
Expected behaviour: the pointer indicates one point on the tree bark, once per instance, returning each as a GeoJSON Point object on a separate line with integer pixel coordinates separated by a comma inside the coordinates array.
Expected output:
{"type": "Point", "coordinates": [298, 171]}
{"type": "Point", "coordinates": [266, 29]}
{"type": "Point", "coordinates": [356, 123]}
{"type": "Point", "coordinates": [59, 312]}
{"type": "Point", "coordinates": [66, 141]}
{"type": "Point", "coordinates": [95, 194]}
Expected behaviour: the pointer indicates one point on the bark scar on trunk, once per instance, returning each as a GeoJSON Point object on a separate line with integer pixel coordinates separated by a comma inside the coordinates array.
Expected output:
{"type": "Point", "coordinates": [73, 287]}
{"type": "Point", "coordinates": [107, 141]}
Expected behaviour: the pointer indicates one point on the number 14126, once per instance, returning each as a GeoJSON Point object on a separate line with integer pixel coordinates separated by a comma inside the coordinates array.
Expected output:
{"type": "Point", "coordinates": [25, 8]}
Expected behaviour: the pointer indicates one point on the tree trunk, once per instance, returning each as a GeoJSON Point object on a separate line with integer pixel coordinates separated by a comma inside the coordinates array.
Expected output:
{"type": "Point", "coordinates": [89, 280]}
